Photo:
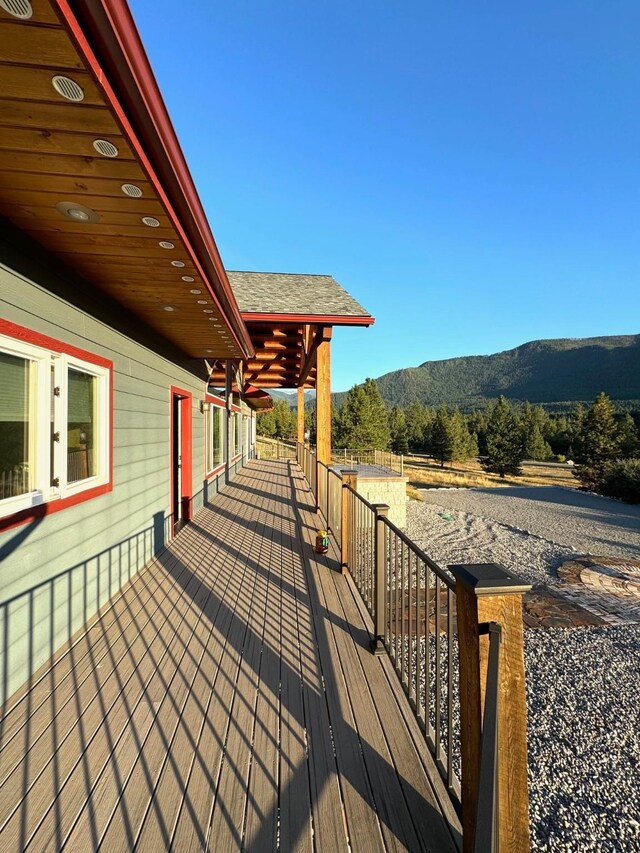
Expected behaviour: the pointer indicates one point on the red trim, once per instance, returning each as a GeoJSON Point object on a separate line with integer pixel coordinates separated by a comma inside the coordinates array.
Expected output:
{"type": "Point", "coordinates": [54, 505]}
{"type": "Point", "coordinates": [236, 409]}
{"type": "Point", "coordinates": [186, 452]}
{"type": "Point", "coordinates": [21, 333]}
{"type": "Point", "coordinates": [330, 319]}
{"type": "Point", "coordinates": [113, 30]}
{"type": "Point", "coordinates": [217, 470]}
{"type": "Point", "coordinates": [215, 401]}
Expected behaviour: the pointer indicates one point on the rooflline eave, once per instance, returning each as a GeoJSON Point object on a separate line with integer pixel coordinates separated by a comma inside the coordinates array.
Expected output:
{"type": "Point", "coordinates": [312, 319]}
{"type": "Point", "coordinates": [106, 34]}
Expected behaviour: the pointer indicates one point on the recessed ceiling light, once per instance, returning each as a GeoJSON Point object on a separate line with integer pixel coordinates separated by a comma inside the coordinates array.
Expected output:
{"type": "Point", "coordinates": [77, 212]}
{"type": "Point", "coordinates": [131, 190]}
{"type": "Point", "coordinates": [195, 290]}
{"type": "Point", "coordinates": [189, 278]}
{"type": "Point", "coordinates": [209, 350]}
{"type": "Point", "coordinates": [151, 221]}
{"type": "Point", "coordinates": [106, 148]}
{"type": "Point", "coordinates": [201, 301]}
{"type": "Point", "coordinates": [68, 88]}
{"type": "Point", "coordinates": [212, 319]}
{"type": "Point", "coordinates": [18, 8]}
{"type": "Point", "coordinates": [168, 308]}
{"type": "Point", "coordinates": [165, 244]}
{"type": "Point", "coordinates": [177, 263]}
{"type": "Point", "coordinates": [207, 311]}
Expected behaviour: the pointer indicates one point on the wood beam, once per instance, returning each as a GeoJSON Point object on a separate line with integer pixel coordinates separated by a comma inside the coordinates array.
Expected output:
{"type": "Point", "coordinates": [323, 395]}
{"type": "Point", "coordinates": [301, 414]}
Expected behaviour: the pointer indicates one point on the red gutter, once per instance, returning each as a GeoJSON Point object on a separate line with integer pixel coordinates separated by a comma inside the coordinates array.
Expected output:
{"type": "Point", "coordinates": [319, 319]}
{"type": "Point", "coordinates": [107, 27]}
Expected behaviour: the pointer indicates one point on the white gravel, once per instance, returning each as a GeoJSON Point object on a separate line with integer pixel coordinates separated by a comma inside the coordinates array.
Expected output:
{"type": "Point", "coordinates": [590, 523]}
{"type": "Point", "coordinates": [583, 684]}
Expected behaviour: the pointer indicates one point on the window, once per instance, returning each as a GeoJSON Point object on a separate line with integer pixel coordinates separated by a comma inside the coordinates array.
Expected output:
{"type": "Point", "coordinates": [214, 432]}
{"type": "Point", "coordinates": [238, 433]}
{"type": "Point", "coordinates": [54, 422]}
{"type": "Point", "coordinates": [232, 435]}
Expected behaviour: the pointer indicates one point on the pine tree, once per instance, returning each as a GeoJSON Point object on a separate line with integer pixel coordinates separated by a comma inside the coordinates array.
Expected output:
{"type": "Point", "coordinates": [599, 443]}
{"type": "Point", "coordinates": [416, 418]}
{"type": "Point", "coordinates": [628, 436]}
{"type": "Point", "coordinates": [398, 430]}
{"type": "Point", "coordinates": [535, 447]}
{"type": "Point", "coordinates": [362, 422]}
{"type": "Point", "coordinates": [285, 420]}
{"type": "Point", "coordinates": [442, 436]}
{"type": "Point", "coordinates": [504, 441]}
{"type": "Point", "coordinates": [266, 423]}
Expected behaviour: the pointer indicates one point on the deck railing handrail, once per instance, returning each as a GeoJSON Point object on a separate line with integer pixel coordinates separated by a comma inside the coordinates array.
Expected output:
{"type": "Point", "coordinates": [431, 622]}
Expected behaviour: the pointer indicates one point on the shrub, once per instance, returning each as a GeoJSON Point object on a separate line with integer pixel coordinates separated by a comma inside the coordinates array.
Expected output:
{"type": "Point", "coordinates": [559, 457]}
{"type": "Point", "coordinates": [622, 480]}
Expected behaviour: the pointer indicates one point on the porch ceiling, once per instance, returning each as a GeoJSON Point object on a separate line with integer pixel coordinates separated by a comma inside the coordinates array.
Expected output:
{"type": "Point", "coordinates": [47, 156]}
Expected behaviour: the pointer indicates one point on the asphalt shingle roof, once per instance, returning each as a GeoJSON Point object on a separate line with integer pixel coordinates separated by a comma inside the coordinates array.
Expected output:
{"type": "Point", "coordinates": [292, 293]}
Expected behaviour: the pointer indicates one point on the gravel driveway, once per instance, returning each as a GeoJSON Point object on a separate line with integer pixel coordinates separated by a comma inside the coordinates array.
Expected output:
{"type": "Point", "coordinates": [583, 684]}
{"type": "Point", "coordinates": [589, 523]}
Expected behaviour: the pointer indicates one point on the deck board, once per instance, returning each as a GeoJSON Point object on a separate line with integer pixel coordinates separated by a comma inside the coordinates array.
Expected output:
{"type": "Point", "coordinates": [225, 698]}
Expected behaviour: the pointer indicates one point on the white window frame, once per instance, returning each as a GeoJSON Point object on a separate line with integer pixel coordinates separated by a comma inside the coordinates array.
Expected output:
{"type": "Point", "coordinates": [101, 427]}
{"type": "Point", "coordinates": [42, 490]}
{"type": "Point", "coordinates": [213, 415]}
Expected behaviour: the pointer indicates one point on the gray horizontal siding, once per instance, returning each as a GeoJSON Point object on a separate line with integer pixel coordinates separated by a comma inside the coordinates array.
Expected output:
{"type": "Point", "coordinates": [70, 563]}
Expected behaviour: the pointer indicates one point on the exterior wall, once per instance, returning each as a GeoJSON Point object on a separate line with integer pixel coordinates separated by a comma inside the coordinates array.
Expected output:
{"type": "Point", "coordinates": [391, 491]}
{"type": "Point", "coordinates": [58, 570]}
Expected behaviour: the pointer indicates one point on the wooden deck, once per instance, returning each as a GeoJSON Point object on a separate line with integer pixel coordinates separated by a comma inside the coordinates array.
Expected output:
{"type": "Point", "coordinates": [225, 700]}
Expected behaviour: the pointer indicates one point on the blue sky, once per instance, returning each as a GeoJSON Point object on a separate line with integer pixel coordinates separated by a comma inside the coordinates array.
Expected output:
{"type": "Point", "coordinates": [469, 171]}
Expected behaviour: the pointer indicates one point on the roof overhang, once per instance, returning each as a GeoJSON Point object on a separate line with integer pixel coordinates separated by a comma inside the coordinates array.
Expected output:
{"type": "Point", "coordinates": [47, 157]}
{"type": "Point", "coordinates": [307, 319]}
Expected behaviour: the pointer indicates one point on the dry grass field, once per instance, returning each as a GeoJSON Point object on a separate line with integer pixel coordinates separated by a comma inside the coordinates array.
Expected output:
{"type": "Point", "coordinates": [426, 473]}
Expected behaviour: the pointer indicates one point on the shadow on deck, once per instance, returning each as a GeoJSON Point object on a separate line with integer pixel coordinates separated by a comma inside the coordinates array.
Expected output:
{"type": "Point", "coordinates": [225, 700]}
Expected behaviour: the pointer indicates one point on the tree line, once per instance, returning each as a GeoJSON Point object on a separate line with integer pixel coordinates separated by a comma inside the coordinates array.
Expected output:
{"type": "Point", "coordinates": [603, 442]}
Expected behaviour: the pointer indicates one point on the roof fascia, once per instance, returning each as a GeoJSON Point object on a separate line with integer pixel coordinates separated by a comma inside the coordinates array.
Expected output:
{"type": "Point", "coordinates": [319, 319]}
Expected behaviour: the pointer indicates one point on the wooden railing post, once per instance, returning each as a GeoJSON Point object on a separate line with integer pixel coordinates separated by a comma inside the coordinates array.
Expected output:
{"type": "Point", "coordinates": [488, 593]}
{"type": "Point", "coordinates": [349, 478]}
{"type": "Point", "coordinates": [379, 579]}
{"type": "Point", "coordinates": [318, 469]}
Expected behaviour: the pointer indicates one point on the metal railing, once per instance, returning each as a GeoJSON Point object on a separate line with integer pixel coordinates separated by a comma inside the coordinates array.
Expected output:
{"type": "Point", "coordinates": [380, 458]}
{"type": "Point", "coordinates": [414, 604]}
{"type": "Point", "coordinates": [272, 448]}
{"type": "Point", "coordinates": [420, 637]}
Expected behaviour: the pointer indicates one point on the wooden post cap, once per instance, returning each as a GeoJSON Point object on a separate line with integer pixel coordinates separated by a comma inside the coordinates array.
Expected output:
{"type": "Point", "coordinates": [488, 579]}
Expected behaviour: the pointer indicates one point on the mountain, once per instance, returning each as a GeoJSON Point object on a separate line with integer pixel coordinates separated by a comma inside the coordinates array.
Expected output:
{"type": "Point", "coordinates": [291, 396]}
{"type": "Point", "coordinates": [548, 371]}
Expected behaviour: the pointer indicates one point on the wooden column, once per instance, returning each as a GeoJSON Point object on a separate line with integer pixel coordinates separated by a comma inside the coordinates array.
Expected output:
{"type": "Point", "coordinates": [488, 593]}
{"type": "Point", "coordinates": [323, 395]}
{"type": "Point", "coordinates": [301, 414]}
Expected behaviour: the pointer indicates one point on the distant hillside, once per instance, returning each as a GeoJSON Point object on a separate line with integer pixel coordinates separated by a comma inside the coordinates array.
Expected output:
{"type": "Point", "coordinates": [553, 371]}
{"type": "Point", "coordinates": [291, 396]}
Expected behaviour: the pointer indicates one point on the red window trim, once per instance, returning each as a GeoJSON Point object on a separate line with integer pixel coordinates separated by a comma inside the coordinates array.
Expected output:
{"type": "Point", "coordinates": [217, 470]}
{"type": "Point", "coordinates": [28, 336]}
{"type": "Point", "coordinates": [218, 402]}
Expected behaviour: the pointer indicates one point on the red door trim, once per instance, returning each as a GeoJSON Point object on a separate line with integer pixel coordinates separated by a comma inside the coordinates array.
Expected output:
{"type": "Point", "coordinates": [186, 452]}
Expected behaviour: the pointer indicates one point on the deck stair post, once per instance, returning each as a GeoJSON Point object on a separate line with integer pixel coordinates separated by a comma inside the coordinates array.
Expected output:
{"type": "Point", "coordinates": [379, 579]}
{"type": "Point", "coordinates": [349, 478]}
{"type": "Point", "coordinates": [489, 611]}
